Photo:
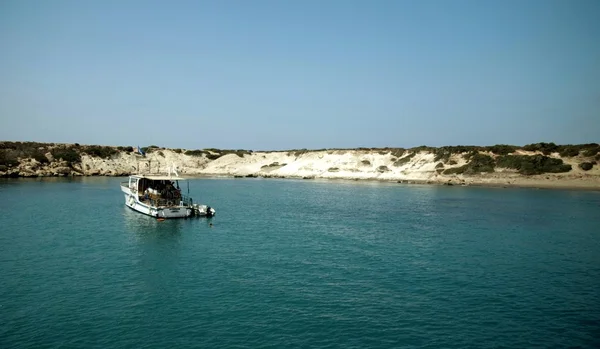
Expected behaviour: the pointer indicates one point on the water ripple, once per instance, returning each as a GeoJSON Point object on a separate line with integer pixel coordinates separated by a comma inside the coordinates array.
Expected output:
{"type": "Point", "coordinates": [300, 264]}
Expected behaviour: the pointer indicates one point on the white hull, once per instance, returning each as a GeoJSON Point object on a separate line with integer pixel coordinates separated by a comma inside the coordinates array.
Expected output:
{"type": "Point", "coordinates": [158, 212]}
{"type": "Point", "coordinates": [172, 210]}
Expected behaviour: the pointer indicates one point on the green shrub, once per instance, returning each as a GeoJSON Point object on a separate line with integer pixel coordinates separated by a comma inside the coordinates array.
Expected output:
{"type": "Point", "coordinates": [69, 155]}
{"type": "Point", "coordinates": [333, 169]}
{"type": "Point", "coordinates": [99, 151]}
{"type": "Point", "coordinates": [178, 151]}
{"type": "Point", "coordinates": [195, 152]}
{"type": "Point", "coordinates": [241, 153]}
{"type": "Point", "coordinates": [222, 152]}
{"type": "Point", "coordinates": [502, 149]}
{"type": "Point", "coordinates": [383, 169]}
{"type": "Point", "coordinates": [545, 148]}
{"type": "Point", "coordinates": [439, 165]}
{"type": "Point", "coordinates": [129, 149]}
{"type": "Point", "coordinates": [456, 170]}
{"type": "Point", "coordinates": [40, 157]}
{"type": "Point", "coordinates": [366, 162]}
{"type": "Point", "coordinates": [404, 160]}
{"type": "Point", "coordinates": [586, 166]}
{"type": "Point", "coordinates": [471, 154]}
{"type": "Point", "coordinates": [274, 164]}
{"type": "Point", "coordinates": [452, 162]}
{"type": "Point", "coordinates": [24, 147]}
{"type": "Point", "coordinates": [569, 151]}
{"type": "Point", "coordinates": [151, 149]}
{"type": "Point", "coordinates": [397, 152]}
{"type": "Point", "coordinates": [8, 158]}
{"type": "Point", "coordinates": [478, 163]}
{"type": "Point", "coordinates": [441, 155]}
{"type": "Point", "coordinates": [422, 148]}
{"type": "Point", "coordinates": [213, 156]}
{"type": "Point", "coordinates": [444, 153]}
{"type": "Point", "coordinates": [591, 151]}
{"type": "Point", "coordinates": [297, 153]}
{"type": "Point", "coordinates": [533, 164]}
{"type": "Point", "coordinates": [12, 151]}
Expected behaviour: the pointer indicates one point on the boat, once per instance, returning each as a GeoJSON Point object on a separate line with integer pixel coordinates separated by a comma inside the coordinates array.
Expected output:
{"type": "Point", "coordinates": [160, 196]}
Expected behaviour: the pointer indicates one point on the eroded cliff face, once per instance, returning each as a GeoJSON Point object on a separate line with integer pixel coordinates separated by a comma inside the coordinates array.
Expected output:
{"type": "Point", "coordinates": [121, 164]}
{"type": "Point", "coordinates": [374, 164]}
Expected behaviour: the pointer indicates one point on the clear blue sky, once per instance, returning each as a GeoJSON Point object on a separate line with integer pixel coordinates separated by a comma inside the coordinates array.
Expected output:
{"type": "Point", "coordinates": [300, 74]}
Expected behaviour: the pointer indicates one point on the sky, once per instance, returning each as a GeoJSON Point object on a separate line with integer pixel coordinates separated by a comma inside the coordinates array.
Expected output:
{"type": "Point", "coordinates": [275, 75]}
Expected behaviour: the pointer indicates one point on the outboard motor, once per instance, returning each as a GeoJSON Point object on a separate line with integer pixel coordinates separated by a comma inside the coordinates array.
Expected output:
{"type": "Point", "coordinates": [209, 211]}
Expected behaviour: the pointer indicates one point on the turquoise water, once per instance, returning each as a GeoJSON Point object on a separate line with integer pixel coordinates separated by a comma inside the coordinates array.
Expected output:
{"type": "Point", "coordinates": [300, 264]}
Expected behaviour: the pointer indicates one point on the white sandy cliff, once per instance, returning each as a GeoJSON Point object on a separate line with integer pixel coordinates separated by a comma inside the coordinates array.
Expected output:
{"type": "Point", "coordinates": [370, 164]}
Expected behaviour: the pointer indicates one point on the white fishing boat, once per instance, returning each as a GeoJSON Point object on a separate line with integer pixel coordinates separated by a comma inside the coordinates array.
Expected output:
{"type": "Point", "coordinates": [160, 196]}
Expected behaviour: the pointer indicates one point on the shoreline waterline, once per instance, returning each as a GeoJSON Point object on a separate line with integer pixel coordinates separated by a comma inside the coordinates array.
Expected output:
{"type": "Point", "coordinates": [560, 184]}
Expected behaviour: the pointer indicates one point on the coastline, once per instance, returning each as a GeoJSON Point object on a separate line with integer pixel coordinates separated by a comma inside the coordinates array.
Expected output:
{"type": "Point", "coordinates": [572, 184]}
{"type": "Point", "coordinates": [573, 168]}
{"type": "Point", "coordinates": [585, 185]}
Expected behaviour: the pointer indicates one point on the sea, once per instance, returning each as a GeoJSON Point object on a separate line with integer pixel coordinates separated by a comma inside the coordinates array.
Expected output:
{"type": "Point", "coordinates": [299, 264]}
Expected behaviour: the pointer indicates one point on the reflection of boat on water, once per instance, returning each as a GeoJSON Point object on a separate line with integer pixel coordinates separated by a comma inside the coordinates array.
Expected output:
{"type": "Point", "coordinates": [143, 226]}
{"type": "Point", "coordinates": [160, 196]}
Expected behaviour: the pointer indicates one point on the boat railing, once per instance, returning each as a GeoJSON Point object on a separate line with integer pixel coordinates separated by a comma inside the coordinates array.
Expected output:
{"type": "Point", "coordinates": [158, 201]}
{"type": "Point", "coordinates": [187, 201]}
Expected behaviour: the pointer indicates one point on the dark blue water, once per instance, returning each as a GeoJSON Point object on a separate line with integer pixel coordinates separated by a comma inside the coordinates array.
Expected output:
{"type": "Point", "coordinates": [300, 264]}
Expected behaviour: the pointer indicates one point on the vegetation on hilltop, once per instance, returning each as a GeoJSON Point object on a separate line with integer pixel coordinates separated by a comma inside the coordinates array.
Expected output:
{"type": "Point", "coordinates": [11, 152]}
{"type": "Point", "coordinates": [478, 163]}
{"type": "Point", "coordinates": [479, 159]}
{"type": "Point", "coordinates": [533, 164]}
{"type": "Point", "coordinates": [524, 164]}
{"type": "Point", "coordinates": [213, 154]}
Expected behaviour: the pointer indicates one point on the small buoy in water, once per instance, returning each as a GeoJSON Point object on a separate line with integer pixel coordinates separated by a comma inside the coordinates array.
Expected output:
{"type": "Point", "coordinates": [210, 225]}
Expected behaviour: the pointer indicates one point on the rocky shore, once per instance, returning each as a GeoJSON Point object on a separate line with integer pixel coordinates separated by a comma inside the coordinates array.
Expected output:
{"type": "Point", "coordinates": [539, 165]}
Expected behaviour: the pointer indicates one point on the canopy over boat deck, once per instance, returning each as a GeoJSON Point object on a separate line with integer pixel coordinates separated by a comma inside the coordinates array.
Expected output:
{"type": "Point", "coordinates": [159, 177]}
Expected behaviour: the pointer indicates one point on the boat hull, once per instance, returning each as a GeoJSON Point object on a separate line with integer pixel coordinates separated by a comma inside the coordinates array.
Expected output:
{"type": "Point", "coordinates": [161, 208]}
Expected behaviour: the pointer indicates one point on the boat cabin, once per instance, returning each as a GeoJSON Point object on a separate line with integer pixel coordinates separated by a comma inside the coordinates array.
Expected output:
{"type": "Point", "coordinates": [159, 191]}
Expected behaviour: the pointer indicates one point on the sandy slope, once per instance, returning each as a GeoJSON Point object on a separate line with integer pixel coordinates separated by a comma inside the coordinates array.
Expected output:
{"type": "Point", "coordinates": [328, 164]}
{"type": "Point", "coordinates": [357, 164]}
